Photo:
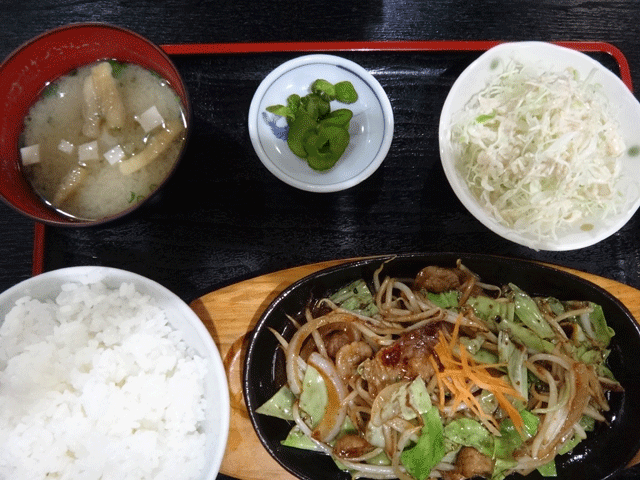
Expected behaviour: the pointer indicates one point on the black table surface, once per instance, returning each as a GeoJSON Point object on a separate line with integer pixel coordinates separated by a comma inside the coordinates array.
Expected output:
{"type": "Point", "coordinates": [224, 218]}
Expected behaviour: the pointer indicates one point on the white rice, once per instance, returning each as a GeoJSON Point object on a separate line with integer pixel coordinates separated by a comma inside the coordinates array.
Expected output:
{"type": "Point", "coordinates": [97, 385]}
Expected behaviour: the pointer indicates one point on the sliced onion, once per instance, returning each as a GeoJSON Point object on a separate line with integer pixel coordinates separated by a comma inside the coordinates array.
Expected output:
{"type": "Point", "coordinates": [383, 408]}
{"type": "Point", "coordinates": [335, 411]}
{"type": "Point", "coordinates": [295, 344]}
{"type": "Point", "coordinates": [377, 470]}
{"type": "Point", "coordinates": [578, 404]}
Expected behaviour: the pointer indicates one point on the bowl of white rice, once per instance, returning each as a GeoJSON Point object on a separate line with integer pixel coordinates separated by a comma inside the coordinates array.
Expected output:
{"type": "Point", "coordinates": [105, 374]}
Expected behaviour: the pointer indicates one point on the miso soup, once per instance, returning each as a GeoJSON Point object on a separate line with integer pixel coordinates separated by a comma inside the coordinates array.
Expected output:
{"type": "Point", "coordinates": [102, 138]}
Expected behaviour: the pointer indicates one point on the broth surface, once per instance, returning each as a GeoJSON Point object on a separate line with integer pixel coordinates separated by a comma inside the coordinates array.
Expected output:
{"type": "Point", "coordinates": [55, 125]}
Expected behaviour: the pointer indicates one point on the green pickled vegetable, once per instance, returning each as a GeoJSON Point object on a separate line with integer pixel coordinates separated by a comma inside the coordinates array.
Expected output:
{"type": "Point", "coordinates": [316, 133]}
{"type": "Point", "coordinates": [325, 89]}
{"type": "Point", "coordinates": [302, 126]}
{"type": "Point", "coordinates": [345, 92]}
{"type": "Point", "coordinates": [316, 106]}
{"type": "Point", "coordinates": [326, 147]}
{"type": "Point", "coordinates": [338, 118]}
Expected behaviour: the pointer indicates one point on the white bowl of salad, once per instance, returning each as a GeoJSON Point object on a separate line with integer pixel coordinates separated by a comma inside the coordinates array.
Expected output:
{"type": "Point", "coordinates": [540, 143]}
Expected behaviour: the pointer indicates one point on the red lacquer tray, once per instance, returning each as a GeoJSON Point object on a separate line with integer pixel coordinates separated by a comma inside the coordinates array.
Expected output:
{"type": "Point", "coordinates": [231, 313]}
{"type": "Point", "coordinates": [371, 46]}
{"type": "Point", "coordinates": [348, 46]}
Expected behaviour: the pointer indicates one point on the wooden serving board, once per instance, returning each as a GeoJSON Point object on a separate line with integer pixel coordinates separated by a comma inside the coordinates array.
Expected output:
{"type": "Point", "coordinates": [232, 312]}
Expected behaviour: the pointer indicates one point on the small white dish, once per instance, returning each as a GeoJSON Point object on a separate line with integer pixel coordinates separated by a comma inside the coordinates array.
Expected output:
{"type": "Point", "coordinates": [180, 316]}
{"type": "Point", "coordinates": [625, 109]}
{"type": "Point", "coordinates": [371, 128]}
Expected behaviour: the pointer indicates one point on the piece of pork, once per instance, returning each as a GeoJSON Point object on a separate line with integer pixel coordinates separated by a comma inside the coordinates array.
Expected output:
{"type": "Point", "coordinates": [470, 463]}
{"type": "Point", "coordinates": [440, 279]}
{"type": "Point", "coordinates": [406, 359]}
{"type": "Point", "coordinates": [351, 446]}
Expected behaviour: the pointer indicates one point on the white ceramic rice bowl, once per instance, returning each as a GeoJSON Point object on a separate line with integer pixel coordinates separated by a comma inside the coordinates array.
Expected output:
{"type": "Point", "coordinates": [625, 109]}
{"type": "Point", "coordinates": [180, 316]}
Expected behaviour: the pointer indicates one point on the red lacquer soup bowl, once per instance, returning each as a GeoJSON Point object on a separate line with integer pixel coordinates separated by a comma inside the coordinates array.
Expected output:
{"type": "Point", "coordinates": [26, 72]}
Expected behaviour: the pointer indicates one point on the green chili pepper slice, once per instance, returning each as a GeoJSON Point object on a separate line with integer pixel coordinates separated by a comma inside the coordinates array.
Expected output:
{"type": "Point", "coordinates": [338, 118]}
{"type": "Point", "coordinates": [314, 105]}
{"type": "Point", "coordinates": [302, 125]}
{"type": "Point", "coordinates": [315, 132]}
{"type": "Point", "coordinates": [326, 147]}
{"type": "Point", "coordinates": [279, 110]}
{"type": "Point", "coordinates": [289, 110]}
{"type": "Point", "coordinates": [345, 92]}
{"type": "Point", "coordinates": [326, 90]}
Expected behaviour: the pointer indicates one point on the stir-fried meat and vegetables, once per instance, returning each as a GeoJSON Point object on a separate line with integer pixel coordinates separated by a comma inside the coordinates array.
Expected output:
{"type": "Point", "coordinates": [443, 376]}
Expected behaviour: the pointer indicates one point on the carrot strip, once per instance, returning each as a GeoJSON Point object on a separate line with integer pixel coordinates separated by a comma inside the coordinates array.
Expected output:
{"type": "Point", "coordinates": [460, 376]}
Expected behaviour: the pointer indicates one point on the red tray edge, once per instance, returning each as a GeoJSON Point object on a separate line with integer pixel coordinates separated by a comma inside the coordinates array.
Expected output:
{"type": "Point", "coordinates": [400, 45]}
{"type": "Point", "coordinates": [352, 46]}
{"type": "Point", "coordinates": [37, 266]}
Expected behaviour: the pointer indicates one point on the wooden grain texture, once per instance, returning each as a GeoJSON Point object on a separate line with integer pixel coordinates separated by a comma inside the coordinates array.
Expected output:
{"type": "Point", "coordinates": [232, 312]}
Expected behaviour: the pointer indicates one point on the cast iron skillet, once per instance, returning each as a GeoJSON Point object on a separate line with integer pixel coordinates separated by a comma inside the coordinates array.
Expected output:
{"type": "Point", "coordinates": [606, 450]}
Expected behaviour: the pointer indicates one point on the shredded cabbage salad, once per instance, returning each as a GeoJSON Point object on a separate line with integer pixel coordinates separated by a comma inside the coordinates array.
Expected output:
{"type": "Point", "coordinates": [540, 150]}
